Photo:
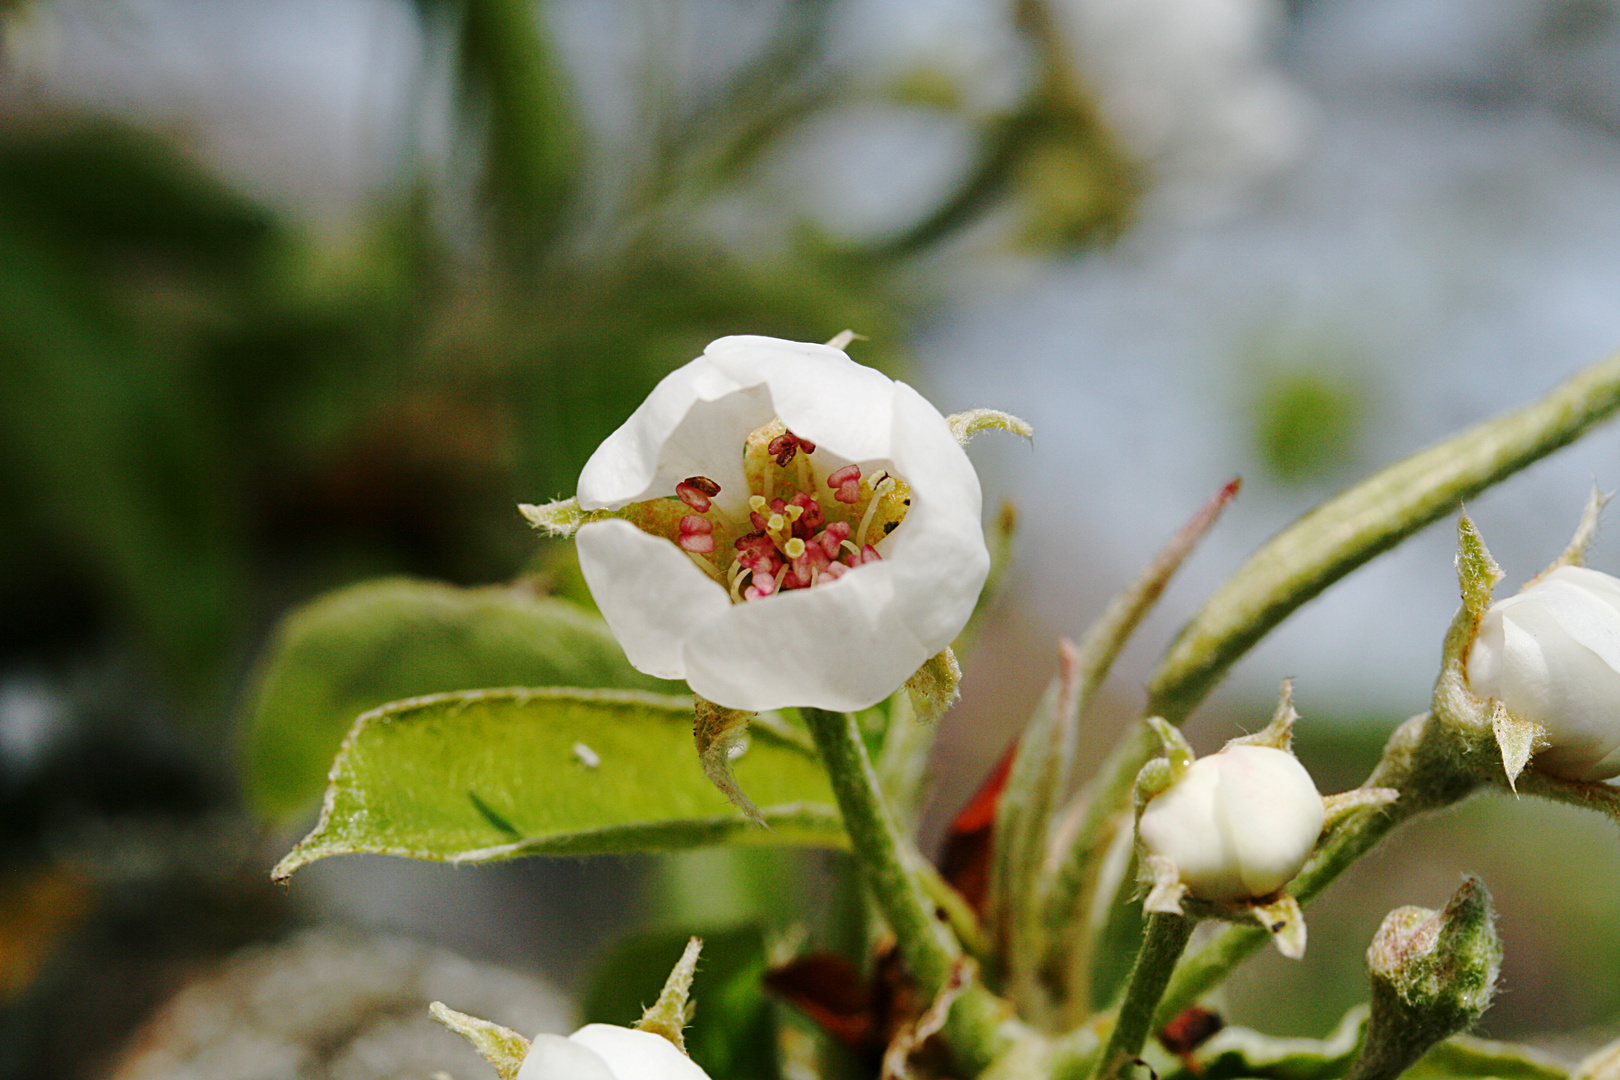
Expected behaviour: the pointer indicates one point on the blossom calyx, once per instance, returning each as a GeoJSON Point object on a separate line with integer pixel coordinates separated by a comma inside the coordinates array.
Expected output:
{"type": "Point", "coordinates": [781, 526]}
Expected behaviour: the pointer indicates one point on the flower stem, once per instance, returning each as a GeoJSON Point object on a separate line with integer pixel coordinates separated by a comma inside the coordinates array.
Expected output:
{"type": "Point", "coordinates": [1166, 936]}
{"type": "Point", "coordinates": [979, 1028]}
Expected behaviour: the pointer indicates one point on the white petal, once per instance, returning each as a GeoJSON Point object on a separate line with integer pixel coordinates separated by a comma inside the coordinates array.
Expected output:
{"type": "Point", "coordinates": [1180, 825]}
{"type": "Point", "coordinates": [837, 646]}
{"type": "Point", "coordinates": [637, 1055]}
{"type": "Point", "coordinates": [938, 551]}
{"type": "Point", "coordinates": [552, 1057]}
{"type": "Point", "coordinates": [692, 424]}
{"type": "Point", "coordinates": [1583, 614]}
{"type": "Point", "coordinates": [1274, 814]}
{"type": "Point", "coordinates": [818, 391]}
{"type": "Point", "coordinates": [651, 594]}
{"type": "Point", "coordinates": [1578, 699]}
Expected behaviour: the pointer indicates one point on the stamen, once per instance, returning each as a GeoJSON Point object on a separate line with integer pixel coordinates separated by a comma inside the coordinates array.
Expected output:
{"type": "Point", "coordinates": [847, 481]}
{"type": "Point", "coordinates": [705, 565]}
{"type": "Point", "coordinates": [696, 535]}
{"type": "Point", "coordinates": [883, 488]}
{"type": "Point", "coordinates": [696, 492]}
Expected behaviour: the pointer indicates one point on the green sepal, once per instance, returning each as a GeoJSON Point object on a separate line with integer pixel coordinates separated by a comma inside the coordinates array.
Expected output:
{"type": "Point", "coordinates": [1477, 572]}
{"type": "Point", "coordinates": [1585, 533]}
{"type": "Point", "coordinates": [668, 1016]}
{"type": "Point", "coordinates": [1285, 922]}
{"type": "Point", "coordinates": [1517, 740]}
{"type": "Point", "coordinates": [934, 687]}
{"type": "Point", "coordinates": [719, 733]}
{"type": "Point", "coordinates": [1178, 752]}
{"type": "Point", "coordinates": [965, 425]}
{"type": "Point", "coordinates": [1278, 734]}
{"type": "Point", "coordinates": [500, 1046]}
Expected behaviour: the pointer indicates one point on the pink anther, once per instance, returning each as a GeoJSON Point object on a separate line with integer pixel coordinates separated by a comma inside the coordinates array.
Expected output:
{"type": "Point", "coordinates": [693, 495]}
{"type": "Point", "coordinates": [847, 481]}
{"type": "Point", "coordinates": [832, 537]}
{"type": "Point", "coordinates": [785, 445]}
{"type": "Point", "coordinates": [812, 518]}
{"type": "Point", "coordinates": [696, 534]}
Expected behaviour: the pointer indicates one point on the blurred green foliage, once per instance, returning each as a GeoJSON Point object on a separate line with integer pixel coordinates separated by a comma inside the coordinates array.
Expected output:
{"type": "Point", "coordinates": [208, 411]}
{"type": "Point", "coordinates": [1307, 424]}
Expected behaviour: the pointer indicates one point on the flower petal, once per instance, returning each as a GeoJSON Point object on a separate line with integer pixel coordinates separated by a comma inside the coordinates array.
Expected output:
{"type": "Point", "coordinates": [837, 646]}
{"type": "Point", "coordinates": [553, 1057]}
{"type": "Point", "coordinates": [650, 593]}
{"type": "Point", "coordinates": [688, 426]}
{"type": "Point", "coordinates": [637, 1055]}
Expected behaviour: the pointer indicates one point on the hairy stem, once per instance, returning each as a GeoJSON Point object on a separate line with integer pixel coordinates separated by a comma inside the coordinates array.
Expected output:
{"type": "Point", "coordinates": [980, 1027]}
{"type": "Point", "coordinates": [1162, 943]}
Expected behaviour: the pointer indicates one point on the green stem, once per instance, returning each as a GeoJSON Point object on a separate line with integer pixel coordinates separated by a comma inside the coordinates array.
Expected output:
{"type": "Point", "coordinates": [1166, 936]}
{"type": "Point", "coordinates": [980, 1027]}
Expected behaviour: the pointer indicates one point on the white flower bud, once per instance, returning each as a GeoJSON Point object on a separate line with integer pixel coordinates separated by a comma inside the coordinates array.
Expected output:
{"type": "Point", "coordinates": [1237, 824]}
{"type": "Point", "coordinates": [607, 1052]}
{"type": "Point", "coordinates": [1551, 655]}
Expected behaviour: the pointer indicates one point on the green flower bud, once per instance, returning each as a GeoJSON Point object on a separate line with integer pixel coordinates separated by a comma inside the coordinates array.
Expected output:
{"type": "Point", "coordinates": [1433, 974]}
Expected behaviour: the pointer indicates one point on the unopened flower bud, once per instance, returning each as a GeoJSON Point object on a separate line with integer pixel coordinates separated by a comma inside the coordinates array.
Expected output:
{"type": "Point", "coordinates": [1433, 974]}
{"type": "Point", "coordinates": [1551, 656]}
{"type": "Point", "coordinates": [1237, 824]}
{"type": "Point", "coordinates": [607, 1052]}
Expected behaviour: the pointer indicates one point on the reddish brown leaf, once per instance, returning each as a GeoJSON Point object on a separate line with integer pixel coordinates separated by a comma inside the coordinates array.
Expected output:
{"type": "Point", "coordinates": [964, 861]}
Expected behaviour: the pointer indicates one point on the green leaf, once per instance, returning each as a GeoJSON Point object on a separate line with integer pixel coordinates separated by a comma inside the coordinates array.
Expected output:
{"type": "Point", "coordinates": [1466, 1056]}
{"type": "Point", "coordinates": [493, 774]}
{"type": "Point", "coordinates": [387, 640]}
{"type": "Point", "coordinates": [1240, 1052]}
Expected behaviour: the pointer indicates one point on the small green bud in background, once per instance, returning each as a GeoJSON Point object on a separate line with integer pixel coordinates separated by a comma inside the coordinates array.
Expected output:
{"type": "Point", "coordinates": [1433, 974]}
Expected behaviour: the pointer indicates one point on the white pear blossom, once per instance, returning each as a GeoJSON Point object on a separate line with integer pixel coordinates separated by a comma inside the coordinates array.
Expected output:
{"type": "Point", "coordinates": [607, 1052]}
{"type": "Point", "coordinates": [789, 528]}
{"type": "Point", "coordinates": [1237, 824]}
{"type": "Point", "coordinates": [1551, 655]}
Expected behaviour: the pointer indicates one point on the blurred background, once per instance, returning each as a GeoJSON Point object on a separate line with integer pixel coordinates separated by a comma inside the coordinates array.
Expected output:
{"type": "Point", "coordinates": [299, 293]}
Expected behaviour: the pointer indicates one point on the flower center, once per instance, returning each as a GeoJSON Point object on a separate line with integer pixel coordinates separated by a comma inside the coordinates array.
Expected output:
{"type": "Point", "coordinates": [805, 525]}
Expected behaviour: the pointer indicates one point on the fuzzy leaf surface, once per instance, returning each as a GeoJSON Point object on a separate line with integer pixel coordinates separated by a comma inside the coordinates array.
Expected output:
{"type": "Point", "coordinates": [492, 774]}
{"type": "Point", "coordinates": [396, 638]}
